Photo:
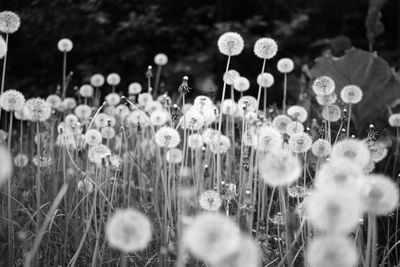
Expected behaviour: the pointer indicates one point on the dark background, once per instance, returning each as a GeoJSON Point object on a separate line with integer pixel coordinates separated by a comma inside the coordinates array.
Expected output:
{"type": "Point", "coordinates": [123, 36]}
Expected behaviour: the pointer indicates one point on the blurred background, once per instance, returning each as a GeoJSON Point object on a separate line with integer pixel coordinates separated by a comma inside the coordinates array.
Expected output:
{"type": "Point", "coordinates": [123, 36]}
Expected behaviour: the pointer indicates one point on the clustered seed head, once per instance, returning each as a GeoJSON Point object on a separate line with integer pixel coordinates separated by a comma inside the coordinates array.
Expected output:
{"type": "Point", "coordinates": [37, 109]}
{"type": "Point", "coordinates": [230, 44]}
{"type": "Point", "coordinates": [65, 45]}
{"type": "Point", "coordinates": [9, 22]}
{"type": "Point", "coordinates": [265, 48]}
{"type": "Point", "coordinates": [12, 100]}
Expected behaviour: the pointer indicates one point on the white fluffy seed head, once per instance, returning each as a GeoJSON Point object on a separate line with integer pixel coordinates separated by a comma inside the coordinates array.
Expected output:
{"type": "Point", "coordinates": [135, 88]}
{"type": "Point", "coordinates": [113, 79]}
{"type": "Point", "coordinates": [230, 76]}
{"type": "Point", "coordinates": [265, 48]}
{"type": "Point", "coordinates": [265, 79]}
{"type": "Point", "coordinates": [161, 59]}
{"type": "Point", "coordinates": [86, 90]}
{"type": "Point", "coordinates": [353, 150]}
{"type": "Point", "coordinates": [323, 85]}
{"type": "Point", "coordinates": [9, 22]}
{"type": "Point", "coordinates": [241, 84]}
{"type": "Point", "coordinates": [285, 65]}
{"type": "Point", "coordinates": [351, 94]}
{"type": "Point", "coordinates": [331, 113]}
{"type": "Point", "coordinates": [97, 80]}
{"type": "Point", "coordinates": [230, 44]}
{"type": "Point", "coordinates": [37, 109]}
{"type": "Point", "coordinates": [65, 45]}
{"type": "Point", "coordinates": [394, 120]}
{"type": "Point", "coordinates": [12, 100]}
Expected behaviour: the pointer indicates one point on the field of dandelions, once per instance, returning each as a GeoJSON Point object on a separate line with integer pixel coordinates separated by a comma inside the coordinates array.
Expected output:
{"type": "Point", "coordinates": [138, 178]}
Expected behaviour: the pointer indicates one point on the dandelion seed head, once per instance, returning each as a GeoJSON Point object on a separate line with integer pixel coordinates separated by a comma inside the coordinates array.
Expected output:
{"type": "Point", "coordinates": [220, 144]}
{"type": "Point", "coordinates": [69, 102]}
{"type": "Point", "coordinates": [9, 22]}
{"type": "Point", "coordinates": [113, 79]}
{"type": "Point", "coordinates": [321, 148]}
{"type": "Point", "coordinates": [128, 230]}
{"type": "Point", "coordinates": [294, 127]}
{"type": "Point", "coordinates": [83, 112]}
{"type": "Point", "coordinates": [351, 94]}
{"type": "Point", "coordinates": [93, 137]}
{"type": "Point", "coordinates": [323, 85]}
{"type": "Point", "coordinates": [281, 122]}
{"type": "Point", "coordinates": [144, 99]}
{"type": "Point", "coordinates": [54, 101]}
{"type": "Point", "coordinates": [65, 45]}
{"type": "Point", "coordinates": [97, 80]}
{"type": "Point", "coordinates": [298, 113]}
{"type": "Point", "coordinates": [280, 168]}
{"type": "Point", "coordinates": [37, 109]}
{"type": "Point", "coordinates": [285, 65]}
{"type": "Point", "coordinates": [326, 99]}
{"type": "Point", "coordinates": [193, 120]}
{"type": "Point", "coordinates": [331, 113]}
{"type": "Point", "coordinates": [153, 106]}
{"type": "Point", "coordinates": [167, 137]}
{"type": "Point", "coordinates": [86, 90]}
{"type": "Point", "coordinates": [195, 141]}
{"type": "Point", "coordinates": [230, 44]}
{"type": "Point", "coordinates": [229, 76]}
{"type": "Point", "coordinates": [265, 80]}
{"type": "Point", "coordinates": [268, 139]}
{"type": "Point", "coordinates": [353, 150]}
{"type": "Point", "coordinates": [378, 151]}
{"type": "Point", "coordinates": [21, 160]}
{"type": "Point", "coordinates": [394, 120]}
{"type": "Point", "coordinates": [98, 152]}
{"type": "Point", "coordinates": [241, 84]}
{"type": "Point", "coordinates": [300, 142]}
{"type": "Point", "coordinates": [159, 117]}
{"type": "Point", "coordinates": [212, 237]}
{"type": "Point", "coordinates": [66, 139]}
{"type": "Point", "coordinates": [228, 107]}
{"type": "Point", "coordinates": [107, 132]}
{"type": "Point", "coordinates": [265, 48]}
{"type": "Point", "coordinates": [248, 102]}
{"type": "Point", "coordinates": [174, 155]}
{"type": "Point", "coordinates": [210, 200]}
{"type": "Point", "coordinates": [135, 88]}
{"type": "Point", "coordinates": [161, 59]}
{"type": "Point", "coordinates": [12, 100]}
{"type": "Point", "coordinates": [208, 135]}
{"type": "Point", "coordinates": [113, 99]}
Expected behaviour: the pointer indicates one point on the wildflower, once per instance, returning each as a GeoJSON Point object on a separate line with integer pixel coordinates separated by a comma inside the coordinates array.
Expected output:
{"type": "Point", "coordinates": [248, 103]}
{"type": "Point", "coordinates": [6, 165]}
{"type": "Point", "coordinates": [37, 109]}
{"type": "Point", "coordinates": [230, 76]}
{"type": "Point", "coordinates": [3, 47]}
{"type": "Point", "coordinates": [298, 113]}
{"type": "Point", "coordinates": [113, 99]}
{"type": "Point", "coordinates": [137, 117]}
{"type": "Point", "coordinates": [339, 174]}
{"type": "Point", "coordinates": [65, 45]}
{"type": "Point", "coordinates": [285, 65]}
{"type": "Point", "coordinates": [86, 90]}
{"type": "Point", "coordinates": [220, 144]}
{"type": "Point", "coordinates": [394, 120]}
{"type": "Point", "coordinates": [321, 148]}
{"type": "Point", "coordinates": [331, 113]}
{"type": "Point", "coordinates": [195, 141]}
{"type": "Point", "coordinates": [12, 100]}
{"type": "Point", "coordinates": [174, 155]}
{"type": "Point", "coordinates": [71, 120]}
{"type": "Point", "coordinates": [69, 102]}
{"type": "Point", "coordinates": [144, 99]}
{"type": "Point", "coordinates": [54, 101]}
{"type": "Point", "coordinates": [122, 111]}
{"type": "Point", "coordinates": [135, 88]}
{"type": "Point", "coordinates": [333, 210]}
{"type": "Point", "coordinates": [279, 168]}
{"type": "Point", "coordinates": [369, 168]}
{"type": "Point", "coordinates": [212, 237]}
{"type": "Point", "coordinates": [97, 80]}
{"type": "Point", "coordinates": [208, 134]}
{"type": "Point", "coordinates": [281, 122]}
{"type": "Point", "coordinates": [356, 151]}
{"type": "Point", "coordinates": [115, 162]}
{"type": "Point", "coordinates": [83, 112]}
{"type": "Point", "coordinates": [380, 195]}
{"type": "Point", "coordinates": [378, 151]}
{"type": "Point", "coordinates": [332, 251]}
{"type": "Point", "coordinates": [323, 85]}
{"type": "Point", "coordinates": [66, 139]}
{"type": "Point", "coordinates": [20, 115]}
{"type": "Point", "coordinates": [85, 186]}
{"type": "Point", "coordinates": [107, 132]}
{"type": "Point", "coordinates": [93, 137]}
{"type": "Point", "coordinates": [294, 127]}
{"type": "Point", "coordinates": [208, 115]}
{"type": "Point", "coordinates": [241, 84]}
{"type": "Point", "coordinates": [9, 22]}
{"type": "Point", "coordinates": [98, 152]}
{"type": "Point", "coordinates": [300, 142]}
{"type": "Point", "coordinates": [265, 80]}
{"type": "Point", "coordinates": [351, 94]}
{"type": "Point", "coordinates": [167, 137]}
{"type": "Point", "coordinates": [159, 117]}
{"type": "Point", "coordinates": [228, 107]}
{"type": "Point", "coordinates": [161, 59]}
{"type": "Point", "coordinates": [113, 79]}
{"type": "Point", "coordinates": [210, 200]}
{"type": "Point", "coordinates": [153, 106]}
{"type": "Point", "coordinates": [268, 139]}
{"type": "Point", "coordinates": [42, 162]}
{"type": "Point", "coordinates": [265, 48]}
{"type": "Point", "coordinates": [202, 102]}
{"type": "Point", "coordinates": [101, 120]}
{"type": "Point", "coordinates": [326, 99]}
{"type": "Point", "coordinates": [21, 160]}
{"type": "Point", "coordinates": [230, 44]}
{"type": "Point", "coordinates": [193, 120]}
{"type": "Point", "coordinates": [184, 87]}
{"type": "Point", "coordinates": [128, 230]}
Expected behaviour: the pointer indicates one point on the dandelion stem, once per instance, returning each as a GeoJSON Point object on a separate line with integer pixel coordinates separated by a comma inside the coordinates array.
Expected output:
{"type": "Point", "coordinates": [284, 93]}
{"type": "Point", "coordinates": [348, 122]}
{"type": "Point", "coordinates": [9, 206]}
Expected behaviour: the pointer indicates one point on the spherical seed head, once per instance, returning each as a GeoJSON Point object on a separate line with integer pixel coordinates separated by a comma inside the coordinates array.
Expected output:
{"type": "Point", "coordinates": [265, 79]}
{"type": "Point", "coordinates": [37, 109]}
{"type": "Point", "coordinates": [12, 100]}
{"type": "Point", "coordinates": [161, 59]}
{"type": "Point", "coordinates": [323, 85]}
{"type": "Point", "coordinates": [86, 90]}
{"type": "Point", "coordinates": [210, 200]}
{"type": "Point", "coordinates": [135, 88]}
{"type": "Point", "coordinates": [9, 22]}
{"type": "Point", "coordinates": [331, 113]}
{"type": "Point", "coordinates": [351, 94]}
{"type": "Point", "coordinates": [3, 47]}
{"type": "Point", "coordinates": [265, 48]}
{"type": "Point", "coordinates": [394, 120]}
{"type": "Point", "coordinates": [241, 84]}
{"type": "Point", "coordinates": [65, 45]}
{"type": "Point", "coordinates": [97, 80]}
{"type": "Point", "coordinates": [230, 76]}
{"type": "Point", "coordinates": [230, 44]}
{"type": "Point", "coordinates": [285, 65]}
{"type": "Point", "coordinates": [113, 79]}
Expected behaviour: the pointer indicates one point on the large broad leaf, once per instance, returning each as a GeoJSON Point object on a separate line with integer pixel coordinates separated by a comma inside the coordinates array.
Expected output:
{"type": "Point", "coordinates": [371, 73]}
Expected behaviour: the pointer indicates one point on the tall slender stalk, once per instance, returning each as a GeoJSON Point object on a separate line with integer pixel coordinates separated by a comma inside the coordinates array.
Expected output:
{"type": "Point", "coordinates": [348, 122]}
{"type": "Point", "coordinates": [284, 93]}
{"type": "Point", "coordinates": [38, 178]}
{"type": "Point", "coordinates": [9, 206]}
{"type": "Point", "coordinates": [64, 74]}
